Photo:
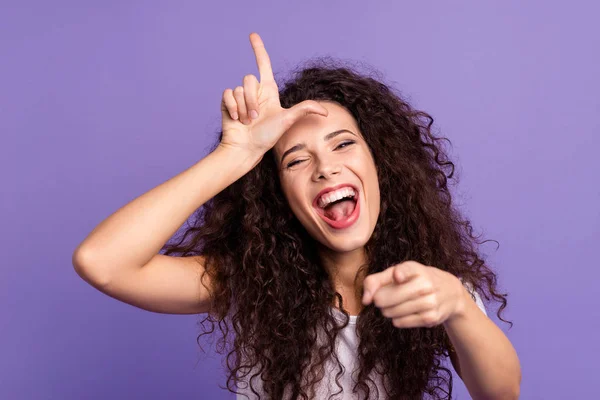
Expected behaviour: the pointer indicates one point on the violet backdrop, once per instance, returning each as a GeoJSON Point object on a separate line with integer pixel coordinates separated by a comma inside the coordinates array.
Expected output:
{"type": "Point", "coordinates": [102, 101]}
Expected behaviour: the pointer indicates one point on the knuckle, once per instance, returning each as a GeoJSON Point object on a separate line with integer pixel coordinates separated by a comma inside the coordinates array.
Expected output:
{"type": "Point", "coordinates": [431, 302]}
{"type": "Point", "coordinates": [238, 90]}
{"type": "Point", "coordinates": [425, 288]}
{"type": "Point", "coordinates": [249, 78]}
{"type": "Point", "coordinates": [430, 319]}
{"type": "Point", "coordinates": [397, 322]}
{"type": "Point", "coordinates": [399, 276]}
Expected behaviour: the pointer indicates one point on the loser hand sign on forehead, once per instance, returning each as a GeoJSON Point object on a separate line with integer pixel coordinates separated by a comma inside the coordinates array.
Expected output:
{"type": "Point", "coordinates": [253, 119]}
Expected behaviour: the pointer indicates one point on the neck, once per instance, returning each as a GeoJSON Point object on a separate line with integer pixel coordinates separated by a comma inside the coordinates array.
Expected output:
{"type": "Point", "coordinates": [344, 270]}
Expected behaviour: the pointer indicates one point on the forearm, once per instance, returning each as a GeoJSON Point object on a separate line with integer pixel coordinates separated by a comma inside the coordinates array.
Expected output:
{"type": "Point", "coordinates": [136, 232]}
{"type": "Point", "coordinates": [488, 362]}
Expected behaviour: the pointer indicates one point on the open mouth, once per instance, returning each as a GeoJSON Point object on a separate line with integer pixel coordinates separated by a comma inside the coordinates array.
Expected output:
{"type": "Point", "coordinates": [340, 213]}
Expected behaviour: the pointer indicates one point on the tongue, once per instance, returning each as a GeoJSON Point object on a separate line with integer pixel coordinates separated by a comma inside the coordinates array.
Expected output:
{"type": "Point", "coordinates": [340, 210]}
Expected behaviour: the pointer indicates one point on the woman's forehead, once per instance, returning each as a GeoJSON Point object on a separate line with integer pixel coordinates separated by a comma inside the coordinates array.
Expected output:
{"type": "Point", "coordinates": [315, 125]}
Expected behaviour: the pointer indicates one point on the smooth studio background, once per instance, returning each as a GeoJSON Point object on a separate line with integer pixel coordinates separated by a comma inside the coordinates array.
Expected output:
{"type": "Point", "coordinates": [102, 102]}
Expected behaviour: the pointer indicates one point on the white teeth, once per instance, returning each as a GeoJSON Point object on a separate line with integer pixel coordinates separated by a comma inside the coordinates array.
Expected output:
{"type": "Point", "coordinates": [330, 197]}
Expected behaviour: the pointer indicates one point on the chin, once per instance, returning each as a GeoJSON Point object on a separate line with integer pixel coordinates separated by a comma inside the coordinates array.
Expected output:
{"type": "Point", "coordinates": [344, 245]}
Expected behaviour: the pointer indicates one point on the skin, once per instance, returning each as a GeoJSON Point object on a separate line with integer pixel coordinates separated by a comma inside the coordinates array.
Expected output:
{"type": "Point", "coordinates": [415, 295]}
{"type": "Point", "coordinates": [411, 294]}
{"type": "Point", "coordinates": [305, 172]}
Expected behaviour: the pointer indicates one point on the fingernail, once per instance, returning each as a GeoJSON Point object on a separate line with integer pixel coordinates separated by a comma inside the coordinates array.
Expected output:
{"type": "Point", "coordinates": [234, 116]}
{"type": "Point", "coordinates": [253, 114]}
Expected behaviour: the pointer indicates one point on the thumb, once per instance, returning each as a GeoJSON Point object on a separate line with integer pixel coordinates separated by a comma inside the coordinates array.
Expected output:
{"type": "Point", "coordinates": [307, 107]}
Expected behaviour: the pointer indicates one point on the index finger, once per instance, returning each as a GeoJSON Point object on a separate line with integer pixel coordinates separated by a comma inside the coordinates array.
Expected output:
{"type": "Point", "coordinates": [395, 274]}
{"type": "Point", "coordinates": [373, 282]}
{"type": "Point", "coordinates": [262, 58]}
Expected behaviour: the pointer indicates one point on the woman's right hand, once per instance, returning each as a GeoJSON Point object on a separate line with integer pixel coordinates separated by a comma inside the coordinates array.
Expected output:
{"type": "Point", "coordinates": [253, 133]}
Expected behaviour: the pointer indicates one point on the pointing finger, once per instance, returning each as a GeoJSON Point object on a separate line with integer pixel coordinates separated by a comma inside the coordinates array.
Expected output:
{"type": "Point", "coordinates": [406, 271]}
{"type": "Point", "coordinates": [262, 58]}
{"type": "Point", "coordinates": [373, 282]}
{"type": "Point", "coordinates": [398, 273]}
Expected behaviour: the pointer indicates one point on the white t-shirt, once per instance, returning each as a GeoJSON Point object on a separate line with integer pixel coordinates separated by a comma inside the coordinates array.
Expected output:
{"type": "Point", "coordinates": [346, 350]}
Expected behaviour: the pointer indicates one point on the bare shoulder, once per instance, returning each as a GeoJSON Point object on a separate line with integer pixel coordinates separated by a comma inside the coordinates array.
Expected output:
{"type": "Point", "coordinates": [166, 284]}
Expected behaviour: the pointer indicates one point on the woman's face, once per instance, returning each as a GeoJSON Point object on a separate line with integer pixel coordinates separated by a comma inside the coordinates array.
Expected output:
{"type": "Point", "coordinates": [321, 159]}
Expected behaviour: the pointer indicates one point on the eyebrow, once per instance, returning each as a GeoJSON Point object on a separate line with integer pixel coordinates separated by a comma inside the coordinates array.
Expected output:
{"type": "Point", "coordinates": [302, 145]}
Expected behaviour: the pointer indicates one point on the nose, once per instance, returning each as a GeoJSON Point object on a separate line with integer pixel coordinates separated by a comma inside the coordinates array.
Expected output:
{"type": "Point", "coordinates": [326, 169]}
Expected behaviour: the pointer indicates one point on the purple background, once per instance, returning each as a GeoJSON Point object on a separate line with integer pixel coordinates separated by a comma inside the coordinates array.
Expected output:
{"type": "Point", "coordinates": [102, 102]}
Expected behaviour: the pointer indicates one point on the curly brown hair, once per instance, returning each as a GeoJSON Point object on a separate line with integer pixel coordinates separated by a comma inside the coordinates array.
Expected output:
{"type": "Point", "coordinates": [250, 238]}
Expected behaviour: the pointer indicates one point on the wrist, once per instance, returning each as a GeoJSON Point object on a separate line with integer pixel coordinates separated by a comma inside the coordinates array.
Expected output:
{"type": "Point", "coordinates": [240, 157]}
{"type": "Point", "coordinates": [461, 304]}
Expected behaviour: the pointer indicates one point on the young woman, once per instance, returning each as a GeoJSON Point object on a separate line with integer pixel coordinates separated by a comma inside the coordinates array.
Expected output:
{"type": "Point", "coordinates": [326, 238]}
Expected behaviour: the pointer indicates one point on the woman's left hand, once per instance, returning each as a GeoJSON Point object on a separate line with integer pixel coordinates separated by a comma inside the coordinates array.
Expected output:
{"type": "Point", "coordinates": [414, 295]}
